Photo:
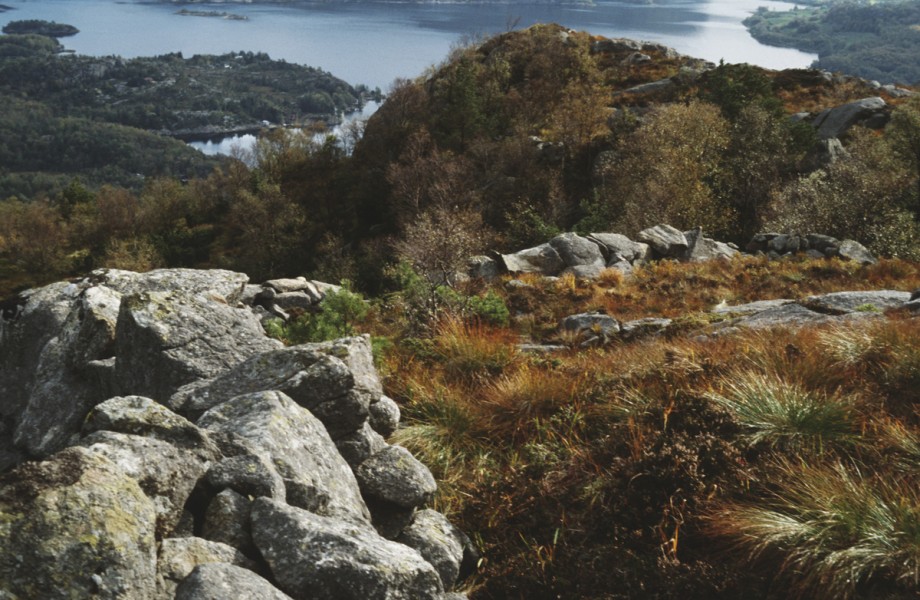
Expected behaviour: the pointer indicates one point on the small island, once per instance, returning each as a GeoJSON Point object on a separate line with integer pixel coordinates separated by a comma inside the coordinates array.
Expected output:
{"type": "Point", "coordinates": [211, 13]}
{"type": "Point", "coordinates": [39, 27]}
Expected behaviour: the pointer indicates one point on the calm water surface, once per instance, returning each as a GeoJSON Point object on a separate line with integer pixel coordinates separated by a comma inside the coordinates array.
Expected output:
{"type": "Point", "coordinates": [377, 43]}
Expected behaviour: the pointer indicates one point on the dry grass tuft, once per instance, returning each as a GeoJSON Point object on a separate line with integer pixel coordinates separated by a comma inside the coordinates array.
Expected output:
{"type": "Point", "coordinates": [831, 529]}
{"type": "Point", "coordinates": [468, 350]}
{"type": "Point", "coordinates": [533, 451]}
{"type": "Point", "coordinates": [519, 401]}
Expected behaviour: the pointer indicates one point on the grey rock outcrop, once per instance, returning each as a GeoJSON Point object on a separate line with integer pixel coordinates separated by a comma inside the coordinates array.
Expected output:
{"type": "Point", "coordinates": [825, 244]}
{"type": "Point", "coordinates": [640, 328]}
{"type": "Point", "coordinates": [782, 315]}
{"type": "Point", "coordinates": [75, 324]}
{"type": "Point", "coordinates": [299, 284]}
{"type": "Point", "coordinates": [816, 245]}
{"type": "Point", "coordinates": [666, 241]}
{"type": "Point", "coordinates": [336, 381]}
{"type": "Point", "coordinates": [617, 247]}
{"type": "Point", "coordinates": [168, 339]}
{"type": "Point", "coordinates": [841, 303]}
{"type": "Point", "coordinates": [24, 332]}
{"type": "Point", "coordinates": [836, 307]}
{"type": "Point", "coordinates": [834, 122]}
{"type": "Point", "coordinates": [227, 521]}
{"type": "Point", "coordinates": [384, 416]}
{"type": "Point", "coordinates": [220, 581]}
{"type": "Point", "coordinates": [179, 557]}
{"type": "Point", "coordinates": [165, 472]}
{"type": "Point", "coordinates": [750, 308]}
{"type": "Point", "coordinates": [824, 153]}
{"type": "Point", "coordinates": [223, 286]}
{"type": "Point", "coordinates": [357, 447]}
{"type": "Point", "coordinates": [585, 272]}
{"type": "Point", "coordinates": [701, 248]}
{"type": "Point", "coordinates": [484, 267]}
{"type": "Point", "coordinates": [75, 526]}
{"type": "Point", "coordinates": [852, 250]}
{"type": "Point", "coordinates": [290, 301]}
{"type": "Point", "coordinates": [394, 476]}
{"type": "Point", "coordinates": [315, 475]}
{"type": "Point", "coordinates": [250, 473]}
{"type": "Point", "coordinates": [136, 415]}
{"type": "Point", "coordinates": [315, 557]}
{"type": "Point", "coordinates": [96, 366]}
{"type": "Point", "coordinates": [542, 259]}
{"type": "Point", "coordinates": [438, 541]}
{"type": "Point", "coordinates": [577, 251]}
{"type": "Point", "coordinates": [591, 323]}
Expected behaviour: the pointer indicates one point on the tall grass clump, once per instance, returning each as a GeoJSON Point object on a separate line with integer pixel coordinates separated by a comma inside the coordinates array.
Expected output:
{"type": "Point", "coordinates": [517, 402]}
{"type": "Point", "coordinates": [443, 428]}
{"type": "Point", "coordinates": [784, 415]}
{"type": "Point", "coordinates": [832, 530]}
{"type": "Point", "coordinates": [853, 346]}
{"type": "Point", "coordinates": [904, 443]}
{"type": "Point", "coordinates": [885, 355]}
{"type": "Point", "coordinates": [467, 350]}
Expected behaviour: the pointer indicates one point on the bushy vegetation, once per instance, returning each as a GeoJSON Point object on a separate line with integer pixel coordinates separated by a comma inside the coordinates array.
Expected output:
{"type": "Point", "coordinates": [39, 27]}
{"type": "Point", "coordinates": [336, 316]}
{"type": "Point", "coordinates": [507, 143]}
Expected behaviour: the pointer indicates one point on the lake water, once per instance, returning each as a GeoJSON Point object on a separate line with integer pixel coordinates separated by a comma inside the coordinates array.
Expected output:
{"type": "Point", "coordinates": [374, 44]}
{"type": "Point", "coordinates": [239, 145]}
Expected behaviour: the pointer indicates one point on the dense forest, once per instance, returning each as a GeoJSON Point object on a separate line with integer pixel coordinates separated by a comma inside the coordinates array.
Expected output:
{"type": "Point", "coordinates": [111, 120]}
{"type": "Point", "coordinates": [874, 40]}
{"type": "Point", "coordinates": [756, 464]}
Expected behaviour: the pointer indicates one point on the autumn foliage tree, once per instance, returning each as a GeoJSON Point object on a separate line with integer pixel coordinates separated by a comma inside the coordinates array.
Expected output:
{"type": "Point", "coordinates": [440, 241]}
{"type": "Point", "coordinates": [665, 170]}
{"type": "Point", "coordinates": [31, 235]}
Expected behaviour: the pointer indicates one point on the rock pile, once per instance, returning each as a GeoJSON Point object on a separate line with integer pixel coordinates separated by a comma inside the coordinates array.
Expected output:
{"type": "Point", "coordinates": [178, 452]}
{"type": "Point", "coordinates": [282, 298]}
{"type": "Point", "coordinates": [586, 257]}
{"type": "Point", "coordinates": [814, 245]}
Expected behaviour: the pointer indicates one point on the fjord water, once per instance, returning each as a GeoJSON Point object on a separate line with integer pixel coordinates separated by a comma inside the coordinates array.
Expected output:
{"type": "Point", "coordinates": [375, 43]}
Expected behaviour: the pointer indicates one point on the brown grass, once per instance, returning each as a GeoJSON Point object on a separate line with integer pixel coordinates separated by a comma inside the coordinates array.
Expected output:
{"type": "Point", "coordinates": [564, 462]}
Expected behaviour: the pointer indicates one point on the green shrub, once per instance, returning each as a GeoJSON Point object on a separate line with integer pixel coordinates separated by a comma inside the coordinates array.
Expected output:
{"type": "Point", "coordinates": [336, 317]}
{"type": "Point", "coordinates": [859, 197]}
{"type": "Point", "coordinates": [491, 308]}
